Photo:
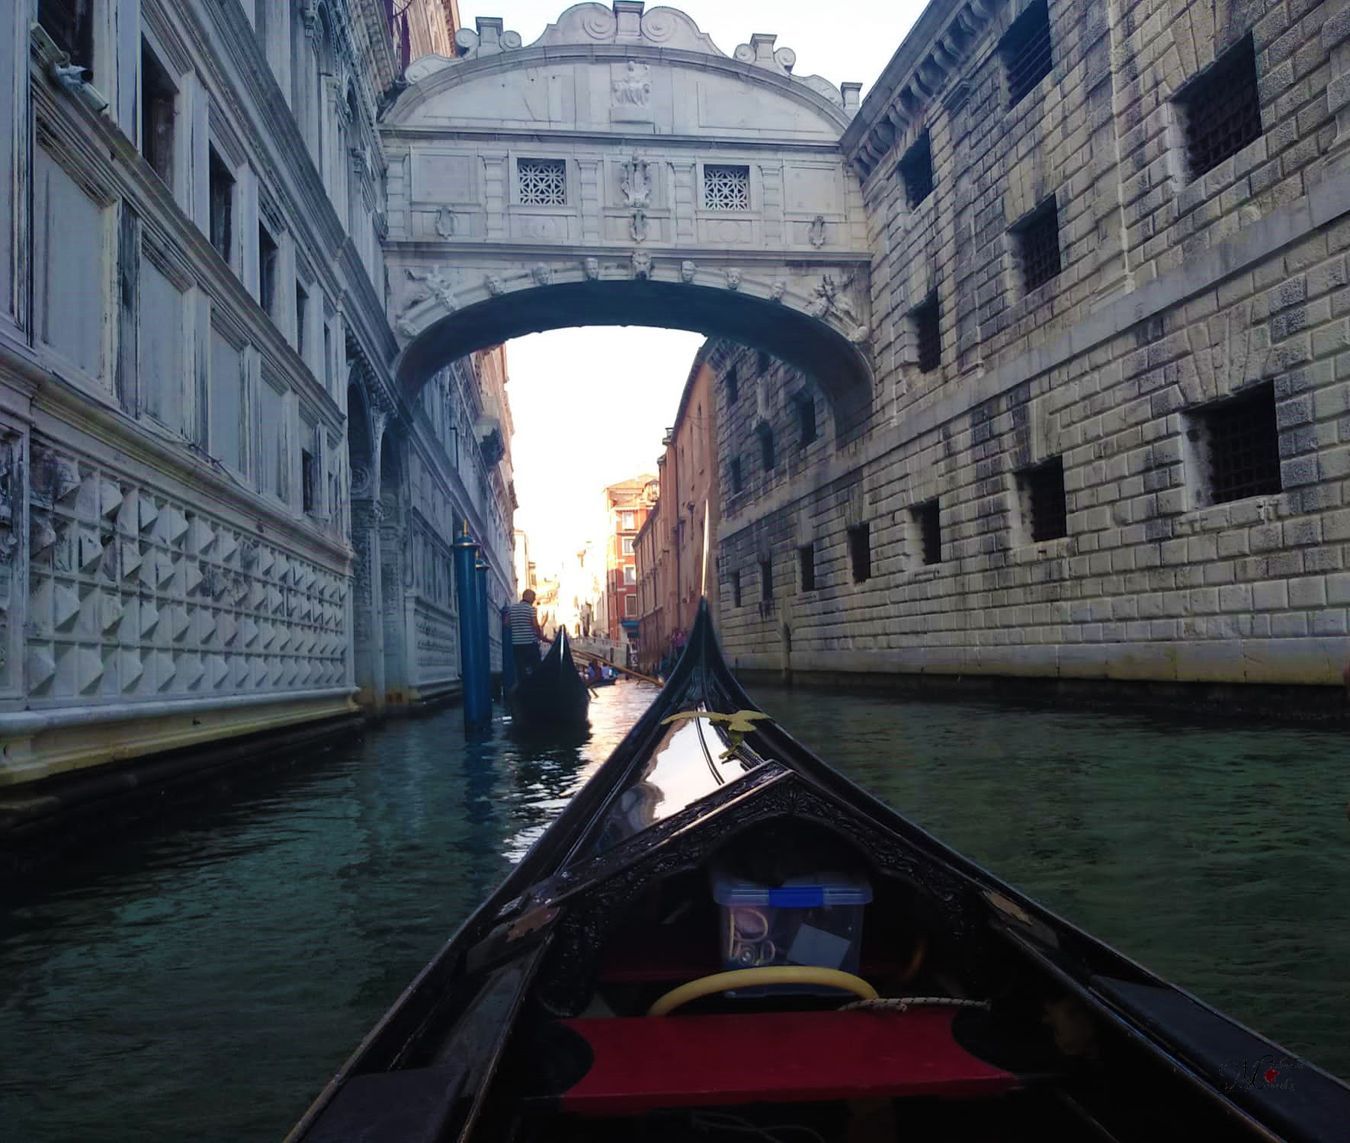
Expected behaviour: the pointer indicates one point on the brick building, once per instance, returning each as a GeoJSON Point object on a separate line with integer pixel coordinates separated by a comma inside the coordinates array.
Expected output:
{"type": "Point", "coordinates": [626, 507]}
{"type": "Point", "coordinates": [1109, 438]}
{"type": "Point", "coordinates": [670, 545]}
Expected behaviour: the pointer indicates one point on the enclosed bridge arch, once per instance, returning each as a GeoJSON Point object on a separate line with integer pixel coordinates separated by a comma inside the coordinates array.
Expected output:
{"type": "Point", "coordinates": [623, 170]}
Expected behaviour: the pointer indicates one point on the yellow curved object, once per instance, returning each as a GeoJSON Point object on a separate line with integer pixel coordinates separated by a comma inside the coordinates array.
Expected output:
{"type": "Point", "coordinates": [755, 977]}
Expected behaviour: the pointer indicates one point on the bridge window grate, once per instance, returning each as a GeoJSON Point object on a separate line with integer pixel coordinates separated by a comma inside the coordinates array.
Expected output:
{"type": "Point", "coordinates": [766, 580]}
{"type": "Point", "coordinates": [733, 385]}
{"type": "Point", "coordinates": [1038, 245]}
{"type": "Point", "coordinates": [1044, 501]}
{"type": "Point", "coordinates": [736, 476]}
{"type": "Point", "coordinates": [928, 333]}
{"type": "Point", "coordinates": [806, 565]}
{"type": "Point", "coordinates": [928, 521]}
{"type": "Point", "coordinates": [916, 169]}
{"type": "Point", "coordinates": [726, 187]}
{"type": "Point", "coordinates": [542, 182]}
{"type": "Point", "coordinates": [1026, 52]}
{"type": "Point", "coordinates": [1222, 109]}
{"type": "Point", "coordinates": [735, 589]}
{"type": "Point", "coordinates": [1242, 444]}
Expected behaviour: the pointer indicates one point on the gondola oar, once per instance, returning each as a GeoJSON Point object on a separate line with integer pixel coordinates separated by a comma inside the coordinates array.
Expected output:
{"type": "Point", "coordinates": [626, 670]}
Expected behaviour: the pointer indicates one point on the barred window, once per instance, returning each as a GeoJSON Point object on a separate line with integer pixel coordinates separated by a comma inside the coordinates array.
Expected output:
{"type": "Point", "coordinates": [766, 580]}
{"type": "Point", "coordinates": [928, 522]}
{"type": "Point", "coordinates": [1026, 51]}
{"type": "Point", "coordinates": [1043, 500]}
{"type": "Point", "coordinates": [806, 417]}
{"type": "Point", "coordinates": [768, 454]}
{"type": "Point", "coordinates": [733, 384]}
{"type": "Point", "coordinates": [928, 333]}
{"type": "Point", "coordinates": [726, 187]}
{"type": "Point", "coordinates": [1222, 108]}
{"type": "Point", "coordinates": [1241, 445]}
{"type": "Point", "coordinates": [1038, 245]}
{"type": "Point", "coordinates": [916, 169]}
{"type": "Point", "coordinates": [542, 182]}
{"type": "Point", "coordinates": [860, 552]}
{"type": "Point", "coordinates": [737, 478]}
{"type": "Point", "coordinates": [806, 564]}
{"type": "Point", "coordinates": [735, 589]}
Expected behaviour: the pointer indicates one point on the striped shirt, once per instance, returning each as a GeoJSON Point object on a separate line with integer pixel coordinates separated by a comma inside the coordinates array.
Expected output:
{"type": "Point", "coordinates": [522, 624]}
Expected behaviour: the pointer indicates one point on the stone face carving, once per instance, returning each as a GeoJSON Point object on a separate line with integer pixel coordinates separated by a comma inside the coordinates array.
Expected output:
{"type": "Point", "coordinates": [687, 270]}
{"type": "Point", "coordinates": [642, 265]}
{"type": "Point", "coordinates": [637, 225]}
{"type": "Point", "coordinates": [592, 268]}
{"type": "Point", "coordinates": [816, 235]}
{"type": "Point", "coordinates": [542, 273]}
{"type": "Point", "coordinates": [636, 183]}
{"type": "Point", "coordinates": [733, 278]}
{"type": "Point", "coordinates": [445, 223]}
{"type": "Point", "coordinates": [494, 285]}
{"type": "Point", "coordinates": [832, 301]}
{"type": "Point", "coordinates": [436, 285]}
{"type": "Point", "coordinates": [778, 289]}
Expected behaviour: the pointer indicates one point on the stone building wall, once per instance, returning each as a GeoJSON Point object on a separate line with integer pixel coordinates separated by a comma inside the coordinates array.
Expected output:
{"type": "Point", "coordinates": [195, 367]}
{"type": "Point", "coordinates": [1177, 292]}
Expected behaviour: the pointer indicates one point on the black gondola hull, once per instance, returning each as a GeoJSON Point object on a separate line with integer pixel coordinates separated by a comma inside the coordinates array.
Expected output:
{"type": "Point", "coordinates": [553, 695]}
{"type": "Point", "coordinates": [531, 949]}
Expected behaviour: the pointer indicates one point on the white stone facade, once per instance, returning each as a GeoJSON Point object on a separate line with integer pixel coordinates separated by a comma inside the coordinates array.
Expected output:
{"type": "Point", "coordinates": [191, 294]}
{"type": "Point", "coordinates": [1176, 292]}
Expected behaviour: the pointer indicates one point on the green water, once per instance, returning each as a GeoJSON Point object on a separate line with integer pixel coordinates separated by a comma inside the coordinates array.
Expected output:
{"type": "Point", "coordinates": [202, 977]}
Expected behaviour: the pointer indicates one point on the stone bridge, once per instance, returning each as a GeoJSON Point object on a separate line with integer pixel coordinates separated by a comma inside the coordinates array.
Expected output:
{"type": "Point", "coordinates": [622, 170]}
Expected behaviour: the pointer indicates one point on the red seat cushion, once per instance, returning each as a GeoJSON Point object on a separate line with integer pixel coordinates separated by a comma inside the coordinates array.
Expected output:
{"type": "Point", "coordinates": [645, 1063]}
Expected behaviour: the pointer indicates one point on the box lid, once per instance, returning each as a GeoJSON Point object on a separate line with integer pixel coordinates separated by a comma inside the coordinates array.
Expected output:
{"type": "Point", "coordinates": [807, 892]}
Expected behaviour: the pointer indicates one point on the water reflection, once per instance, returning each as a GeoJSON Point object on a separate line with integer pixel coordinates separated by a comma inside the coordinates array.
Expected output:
{"type": "Point", "coordinates": [202, 979]}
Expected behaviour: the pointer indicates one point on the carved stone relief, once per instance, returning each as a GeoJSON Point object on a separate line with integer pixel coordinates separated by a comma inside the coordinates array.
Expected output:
{"type": "Point", "coordinates": [642, 265]}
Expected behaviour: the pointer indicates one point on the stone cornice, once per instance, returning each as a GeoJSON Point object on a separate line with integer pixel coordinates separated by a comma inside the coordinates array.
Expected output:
{"type": "Point", "coordinates": [702, 143]}
{"type": "Point", "coordinates": [95, 414]}
{"type": "Point", "coordinates": [567, 254]}
{"type": "Point", "coordinates": [456, 72]}
{"type": "Point", "coordinates": [927, 63]}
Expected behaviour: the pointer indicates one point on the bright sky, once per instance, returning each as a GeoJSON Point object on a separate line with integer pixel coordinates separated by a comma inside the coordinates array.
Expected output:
{"type": "Point", "coordinates": [604, 396]}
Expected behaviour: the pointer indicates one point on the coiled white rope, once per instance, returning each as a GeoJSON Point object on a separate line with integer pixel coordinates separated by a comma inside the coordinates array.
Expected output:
{"type": "Point", "coordinates": [905, 1003]}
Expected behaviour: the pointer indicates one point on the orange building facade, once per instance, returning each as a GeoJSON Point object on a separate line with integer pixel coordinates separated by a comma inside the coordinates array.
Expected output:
{"type": "Point", "coordinates": [670, 546]}
{"type": "Point", "coordinates": [627, 506]}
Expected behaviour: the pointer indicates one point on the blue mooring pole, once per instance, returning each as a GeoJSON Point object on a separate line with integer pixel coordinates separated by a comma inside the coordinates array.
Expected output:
{"type": "Point", "coordinates": [477, 714]}
{"type": "Point", "coordinates": [484, 639]}
{"type": "Point", "coordinates": [508, 655]}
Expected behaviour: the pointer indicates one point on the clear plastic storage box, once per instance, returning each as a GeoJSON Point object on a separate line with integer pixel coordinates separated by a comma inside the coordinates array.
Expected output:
{"type": "Point", "coordinates": [814, 920]}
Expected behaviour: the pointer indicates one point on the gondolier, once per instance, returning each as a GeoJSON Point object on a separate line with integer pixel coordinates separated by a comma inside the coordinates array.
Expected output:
{"type": "Point", "coordinates": [526, 634]}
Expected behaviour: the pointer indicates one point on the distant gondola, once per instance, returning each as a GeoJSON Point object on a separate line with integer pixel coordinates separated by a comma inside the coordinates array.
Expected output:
{"type": "Point", "coordinates": [716, 840]}
{"type": "Point", "coordinates": [553, 696]}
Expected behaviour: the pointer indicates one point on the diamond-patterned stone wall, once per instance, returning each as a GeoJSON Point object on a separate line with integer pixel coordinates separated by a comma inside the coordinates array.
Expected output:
{"type": "Point", "coordinates": [134, 595]}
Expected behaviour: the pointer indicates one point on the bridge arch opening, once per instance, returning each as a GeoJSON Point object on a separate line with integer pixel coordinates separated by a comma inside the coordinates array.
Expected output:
{"type": "Point", "coordinates": [837, 365]}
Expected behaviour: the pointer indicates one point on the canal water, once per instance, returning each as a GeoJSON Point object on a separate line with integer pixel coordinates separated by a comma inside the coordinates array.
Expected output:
{"type": "Point", "coordinates": [203, 978]}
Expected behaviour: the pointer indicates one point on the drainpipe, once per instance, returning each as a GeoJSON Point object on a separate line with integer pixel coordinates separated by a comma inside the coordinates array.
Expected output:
{"type": "Point", "coordinates": [484, 673]}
